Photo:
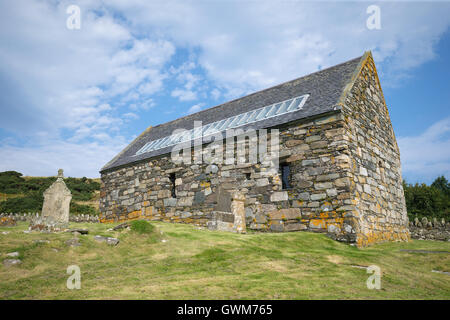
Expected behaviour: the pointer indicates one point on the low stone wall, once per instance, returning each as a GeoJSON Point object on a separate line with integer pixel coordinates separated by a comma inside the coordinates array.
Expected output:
{"type": "Point", "coordinates": [29, 216]}
{"type": "Point", "coordinates": [84, 218]}
{"type": "Point", "coordinates": [430, 229]}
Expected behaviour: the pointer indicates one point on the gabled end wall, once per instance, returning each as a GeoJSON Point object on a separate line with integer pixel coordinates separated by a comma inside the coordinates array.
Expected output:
{"type": "Point", "coordinates": [380, 210]}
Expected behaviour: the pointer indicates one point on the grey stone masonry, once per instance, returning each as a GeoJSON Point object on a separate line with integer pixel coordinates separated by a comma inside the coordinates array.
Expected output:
{"type": "Point", "coordinates": [344, 176]}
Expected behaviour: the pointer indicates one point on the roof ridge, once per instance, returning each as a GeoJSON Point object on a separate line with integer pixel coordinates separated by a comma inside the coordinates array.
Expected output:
{"type": "Point", "coordinates": [260, 91]}
{"type": "Point", "coordinates": [349, 85]}
{"type": "Point", "coordinates": [326, 87]}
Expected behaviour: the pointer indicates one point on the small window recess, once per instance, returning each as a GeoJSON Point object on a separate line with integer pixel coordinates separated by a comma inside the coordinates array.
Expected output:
{"type": "Point", "coordinates": [285, 172]}
{"type": "Point", "coordinates": [172, 185]}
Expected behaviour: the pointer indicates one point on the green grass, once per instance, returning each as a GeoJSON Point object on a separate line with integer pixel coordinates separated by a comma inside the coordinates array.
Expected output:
{"type": "Point", "coordinates": [142, 227]}
{"type": "Point", "coordinates": [194, 263]}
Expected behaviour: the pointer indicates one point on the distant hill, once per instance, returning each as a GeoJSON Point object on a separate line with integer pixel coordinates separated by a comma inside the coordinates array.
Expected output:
{"type": "Point", "coordinates": [21, 194]}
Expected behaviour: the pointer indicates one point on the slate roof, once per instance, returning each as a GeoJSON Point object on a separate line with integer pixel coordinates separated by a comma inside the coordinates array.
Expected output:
{"type": "Point", "coordinates": [324, 87]}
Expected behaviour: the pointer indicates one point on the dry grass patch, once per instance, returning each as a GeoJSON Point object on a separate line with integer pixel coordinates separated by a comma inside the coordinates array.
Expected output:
{"type": "Point", "coordinates": [277, 266]}
{"type": "Point", "coordinates": [195, 263]}
{"type": "Point", "coordinates": [335, 259]}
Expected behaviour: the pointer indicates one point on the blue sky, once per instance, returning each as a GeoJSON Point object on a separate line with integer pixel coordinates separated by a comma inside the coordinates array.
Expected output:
{"type": "Point", "coordinates": [420, 113]}
{"type": "Point", "coordinates": [73, 99]}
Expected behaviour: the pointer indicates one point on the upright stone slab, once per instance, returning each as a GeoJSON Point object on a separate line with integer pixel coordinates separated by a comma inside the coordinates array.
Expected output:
{"type": "Point", "coordinates": [221, 221]}
{"type": "Point", "coordinates": [55, 211]}
{"type": "Point", "coordinates": [237, 208]}
{"type": "Point", "coordinates": [233, 221]}
{"type": "Point", "coordinates": [57, 201]}
{"type": "Point", "coordinates": [223, 200]}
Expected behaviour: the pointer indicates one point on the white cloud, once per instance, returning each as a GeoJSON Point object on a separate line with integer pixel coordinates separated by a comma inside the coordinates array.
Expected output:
{"type": "Point", "coordinates": [77, 159]}
{"type": "Point", "coordinates": [195, 108]}
{"type": "Point", "coordinates": [184, 95]}
{"type": "Point", "coordinates": [131, 115]}
{"type": "Point", "coordinates": [75, 87]}
{"type": "Point", "coordinates": [427, 156]}
{"type": "Point", "coordinates": [215, 93]}
{"type": "Point", "coordinates": [61, 88]}
{"type": "Point", "coordinates": [60, 78]}
{"type": "Point", "coordinates": [185, 75]}
{"type": "Point", "coordinates": [246, 46]}
{"type": "Point", "coordinates": [143, 105]}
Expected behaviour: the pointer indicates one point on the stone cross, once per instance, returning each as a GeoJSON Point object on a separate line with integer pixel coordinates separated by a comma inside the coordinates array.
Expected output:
{"type": "Point", "coordinates": [57, 202]}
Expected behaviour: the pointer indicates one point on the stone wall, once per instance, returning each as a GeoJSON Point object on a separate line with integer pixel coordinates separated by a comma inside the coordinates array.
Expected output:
{"type": "Point", "coordinates": [430, 229]}
{"type": "Point", "coordinates": [318, 199]}
{"type": "Point", "coordinates": [379, 208]}
{"type": "Point", "coordinates": [29, 216]}
{"type": "Point", "coordinates": [344, 168]}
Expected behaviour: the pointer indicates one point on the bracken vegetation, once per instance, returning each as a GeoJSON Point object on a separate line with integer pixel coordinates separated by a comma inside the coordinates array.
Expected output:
{"type": "Point", "coordinates": [25, 194]}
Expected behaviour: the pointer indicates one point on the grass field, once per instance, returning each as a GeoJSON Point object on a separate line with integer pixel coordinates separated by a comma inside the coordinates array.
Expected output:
{"type": "Point", "coordinates": [194, 263]}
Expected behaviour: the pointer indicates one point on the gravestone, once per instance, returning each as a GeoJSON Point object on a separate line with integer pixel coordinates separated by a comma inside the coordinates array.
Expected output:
{"type": "Point", "coordinates": [55, 211]}
{"type": "Point", "coordinates": [57, 201]}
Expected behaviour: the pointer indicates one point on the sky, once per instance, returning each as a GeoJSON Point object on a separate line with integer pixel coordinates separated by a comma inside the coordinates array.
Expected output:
{"type": "Point", "coordinates": [73, 98]}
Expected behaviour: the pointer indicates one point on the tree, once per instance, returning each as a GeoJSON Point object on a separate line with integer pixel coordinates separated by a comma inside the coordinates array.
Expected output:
{"type": "Point", "coordinates": [431, 201]}
{"type": "Point", "coordinates": [442, 184]}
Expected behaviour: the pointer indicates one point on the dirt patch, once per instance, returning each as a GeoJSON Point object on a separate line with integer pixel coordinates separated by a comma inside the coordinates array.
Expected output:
{"type": "Point", "coordinates": [335, 259]}
{"type": "Point", "coordinates": [160, 256]}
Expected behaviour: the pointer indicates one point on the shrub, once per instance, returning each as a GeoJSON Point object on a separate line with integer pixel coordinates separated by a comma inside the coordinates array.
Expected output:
{"type": "Point", "coordinates": [29, 203]}
{"type": "Point", "coordinates": [11, 182]}
{"type": "Point", "coordinates": [142, 227]}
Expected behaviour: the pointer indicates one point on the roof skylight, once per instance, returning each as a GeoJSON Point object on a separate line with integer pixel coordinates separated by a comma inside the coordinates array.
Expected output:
{"type": "Point", "coordinates": [239, 120]}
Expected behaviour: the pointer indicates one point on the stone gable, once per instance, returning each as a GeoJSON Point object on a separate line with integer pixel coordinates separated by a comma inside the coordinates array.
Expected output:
{"type": "Point", "coordinates": [344, 177]}
{"type": "Point", "coordinates": [380, 209]}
